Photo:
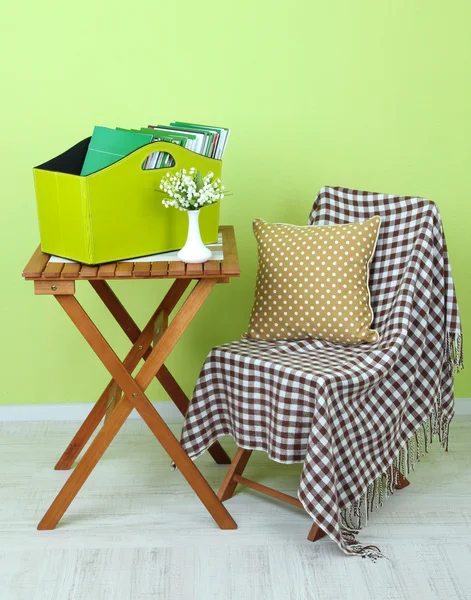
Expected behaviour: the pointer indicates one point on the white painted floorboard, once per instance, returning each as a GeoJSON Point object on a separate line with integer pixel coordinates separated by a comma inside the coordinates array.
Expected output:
{"type": "Point", "coordinates": [136, 531]}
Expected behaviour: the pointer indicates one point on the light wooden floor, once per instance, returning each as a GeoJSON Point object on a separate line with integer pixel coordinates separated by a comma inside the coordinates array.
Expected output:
{"type": "Point", "coordinates": [137, 532]}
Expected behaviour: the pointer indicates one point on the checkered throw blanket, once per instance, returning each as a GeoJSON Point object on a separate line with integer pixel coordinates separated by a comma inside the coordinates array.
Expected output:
{"type": "Point", "coordinates": [355, 416]}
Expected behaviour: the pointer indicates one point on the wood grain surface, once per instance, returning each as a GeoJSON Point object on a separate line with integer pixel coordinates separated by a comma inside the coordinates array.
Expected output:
{"type": "Point", "coordinates": [137, 531]}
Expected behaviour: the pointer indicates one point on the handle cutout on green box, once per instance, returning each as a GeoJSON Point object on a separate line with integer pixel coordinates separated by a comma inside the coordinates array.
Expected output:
{"type": "Point", "coordinates": [158, 160]}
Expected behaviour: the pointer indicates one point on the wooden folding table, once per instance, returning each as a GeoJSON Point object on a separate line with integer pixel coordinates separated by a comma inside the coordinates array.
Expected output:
{"type": "Point", "coordinates": [153, 345]}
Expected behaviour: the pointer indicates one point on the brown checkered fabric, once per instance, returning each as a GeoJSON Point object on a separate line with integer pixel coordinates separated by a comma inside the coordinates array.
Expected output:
{"type": "Point", "coordinates": [355, 416]}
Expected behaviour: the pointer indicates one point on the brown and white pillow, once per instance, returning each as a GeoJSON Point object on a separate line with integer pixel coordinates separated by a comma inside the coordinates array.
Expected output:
{"type": "Point", "coordinates": [312, 282]}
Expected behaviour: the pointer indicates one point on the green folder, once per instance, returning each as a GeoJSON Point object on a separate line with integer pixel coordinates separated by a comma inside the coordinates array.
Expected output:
{"type": "Point", "coordinates": [109, 145]}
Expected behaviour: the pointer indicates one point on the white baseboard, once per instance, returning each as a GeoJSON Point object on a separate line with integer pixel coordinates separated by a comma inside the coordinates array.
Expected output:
{"type": "Point", "coordinates": [78, 411]}
{"type": "Point", "coordinates": [75, 412]}
{"type": "Point", "coordinates": [463, 407]}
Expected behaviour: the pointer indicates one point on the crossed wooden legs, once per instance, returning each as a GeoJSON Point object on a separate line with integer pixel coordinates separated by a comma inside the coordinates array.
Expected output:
{"type": "Point", "coordinates": [133, 396]}
{"type": "Point", "coordinates": [141, 349]}
{"type": "Point", "coordinates": [234, 477]}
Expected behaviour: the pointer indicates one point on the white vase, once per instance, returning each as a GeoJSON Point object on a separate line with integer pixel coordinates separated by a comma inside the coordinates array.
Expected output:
{"type": "Point", "coordinates": [194, 251]}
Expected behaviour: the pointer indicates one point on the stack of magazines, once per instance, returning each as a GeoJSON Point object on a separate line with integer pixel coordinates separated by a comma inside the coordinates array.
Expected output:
{"type": "Point", "coordinates": [109, 145]}
{"type": "Point", "coordinates": [203, 139]}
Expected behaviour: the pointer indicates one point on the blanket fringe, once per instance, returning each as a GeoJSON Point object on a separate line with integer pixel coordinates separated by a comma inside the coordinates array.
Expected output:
{"type": "Point", "coordinates": [454, 351]}
{"type": "Point", "coordinates": [355, 516]}
{"type": "Point", "coordinates": [351, 546]}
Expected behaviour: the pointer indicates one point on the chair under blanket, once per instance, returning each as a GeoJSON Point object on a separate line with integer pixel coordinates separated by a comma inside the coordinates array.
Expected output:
{"type": "Point", "coordinates": [357, 417]}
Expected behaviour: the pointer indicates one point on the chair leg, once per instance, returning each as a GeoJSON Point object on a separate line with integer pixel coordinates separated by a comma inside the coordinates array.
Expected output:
{"type": "Point", "coordinates": [315, 533]}
{"type": "Point", "coordinates": [402, 482]}
{"type": "Point", "coordinates": [237, 467]}
{"type": "Point", "coordinates": [229, 485]}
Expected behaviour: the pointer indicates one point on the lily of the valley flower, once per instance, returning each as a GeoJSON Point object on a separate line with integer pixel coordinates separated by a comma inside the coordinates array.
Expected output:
{"type": "Point", "coordinates": [191, 191]}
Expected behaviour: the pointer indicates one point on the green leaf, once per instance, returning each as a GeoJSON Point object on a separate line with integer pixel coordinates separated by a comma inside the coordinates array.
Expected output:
{"type": "Point", "coordinates": [199, 181]}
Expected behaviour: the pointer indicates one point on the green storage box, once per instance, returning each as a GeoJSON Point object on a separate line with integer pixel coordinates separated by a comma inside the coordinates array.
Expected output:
{"type": "Point", "coordinates": [117, 212]}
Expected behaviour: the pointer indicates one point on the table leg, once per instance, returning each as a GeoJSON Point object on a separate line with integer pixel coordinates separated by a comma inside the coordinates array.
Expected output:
{"type": "Point", "coordinates": [113, 399]}
{"type": "Point", "coordinates": [124, 319]}
{"type": "Point", "coordinates": [89, 460]}
{"type": "Point", "coordinates": [135, 396]}
{"type": "Point", "coordinates": [140, 346]}
{"type": "Point", "coordinates": [166, 379]}
{"type": "Point", "coordinates": [182, 402]}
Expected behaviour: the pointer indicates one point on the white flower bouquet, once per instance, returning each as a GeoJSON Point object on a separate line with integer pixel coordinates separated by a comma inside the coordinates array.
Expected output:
{"type": "Point", "coordinates": [190, 190]}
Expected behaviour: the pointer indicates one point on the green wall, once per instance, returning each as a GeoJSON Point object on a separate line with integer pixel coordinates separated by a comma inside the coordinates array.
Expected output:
{"type": "Point", "coordinates": [371, 94]}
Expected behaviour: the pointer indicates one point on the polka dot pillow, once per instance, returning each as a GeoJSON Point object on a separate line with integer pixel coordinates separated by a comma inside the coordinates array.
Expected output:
{"type": "Point", "coordinates": [312, 282]}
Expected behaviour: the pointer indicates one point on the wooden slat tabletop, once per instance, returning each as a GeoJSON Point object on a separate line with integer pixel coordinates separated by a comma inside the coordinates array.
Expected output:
{"type": "Point", "coordinates": [141, 269]}
{"type": "Point", "coordinates": [88, 272]}
{"type": "Point", "coordinates": [124, 270]}
{"type": "Point", "coordinates": [159, 269]}
{"type": "Point", "coordinates": [195, 270]}
{"type": "Point", "coordinates": [39, 267]}
{"type": "Point", "coordinates": [36, 265]}
{"type": "Point", "coordinates": [212, 267]}
{"type": "Point", "coordinates": [71, 270]}
{"type": "Point", "coordinates": [53, 270]}
{"type": "Point", "coordinates": [106, 271]}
